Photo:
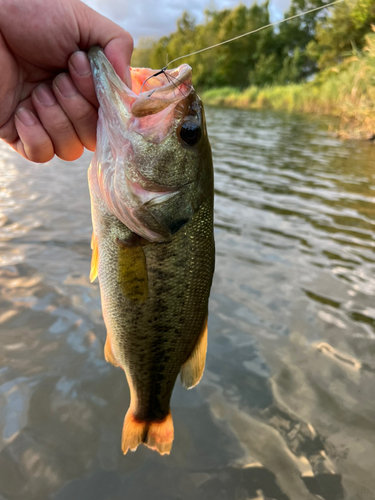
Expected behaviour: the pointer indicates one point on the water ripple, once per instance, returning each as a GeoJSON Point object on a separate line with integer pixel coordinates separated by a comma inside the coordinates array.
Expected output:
{"type": "Point", "coordinates": [285, 409]}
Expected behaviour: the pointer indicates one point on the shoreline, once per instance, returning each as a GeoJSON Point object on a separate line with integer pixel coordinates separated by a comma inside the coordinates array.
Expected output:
{"type": "Point", "coordinates": [357, 120]}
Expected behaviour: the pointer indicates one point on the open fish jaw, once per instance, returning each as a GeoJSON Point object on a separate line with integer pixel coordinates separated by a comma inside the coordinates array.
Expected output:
{"type": "Point", "coordinates": [125, 171]}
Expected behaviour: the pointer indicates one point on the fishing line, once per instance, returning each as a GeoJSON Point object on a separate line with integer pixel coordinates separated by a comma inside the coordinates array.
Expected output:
{"type": "Point", "coordinates": [180, 81]}
{"type": "Point", "coordinates": [254, 31]}
{"type": "Point", "coordinates": [169, 79]}
{"type": "Point", "coordinates": [162, 71]}
{"type": "Point", "coordinates": [172, 82]}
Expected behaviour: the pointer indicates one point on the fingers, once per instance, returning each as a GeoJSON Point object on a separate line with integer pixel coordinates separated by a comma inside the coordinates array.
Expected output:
{"type": "Point", "coordinates": [80, 71]}
{"type": "Point", "coordinates": [24, 133]}
{"type": "Point", "coordinates": [119, 51]}
{"type": "Point", "coordinates": [59, 121]}
{"type": "Point", "coordinates": [33, 142]}
{"type": "Point", "coordinates": [56, 123]}
{"type": "Point", "coordinates": [62, 120]}
{"type": "Point", "coordinates": [81, 113]}
{"type": "Point", "coordinates": [117, 43]}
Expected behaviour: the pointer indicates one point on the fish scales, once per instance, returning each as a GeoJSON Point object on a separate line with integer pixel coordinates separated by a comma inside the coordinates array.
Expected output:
{"type": "Point", "coordinates": [153, 246]}
{"type": "Point", "coordinates": [156, 337]}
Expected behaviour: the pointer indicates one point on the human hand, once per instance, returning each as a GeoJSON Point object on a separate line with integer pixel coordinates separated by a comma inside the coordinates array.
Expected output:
{"type": "Point", "coordinates": [43, 110]}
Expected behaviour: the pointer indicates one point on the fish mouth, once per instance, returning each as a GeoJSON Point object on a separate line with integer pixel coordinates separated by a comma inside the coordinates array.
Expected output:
{"type": "Point", "coordinates": [146, 82]}
{"type": "Point", "coordinates": [152, 91]}
{"type": "Point", "coordinates": [158, 90]}
{"type": "Point", "coordinates": [131, 123]}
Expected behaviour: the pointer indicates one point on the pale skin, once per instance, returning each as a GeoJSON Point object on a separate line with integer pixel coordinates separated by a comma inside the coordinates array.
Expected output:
{"type": "Point", "coordinates": [47, 99]}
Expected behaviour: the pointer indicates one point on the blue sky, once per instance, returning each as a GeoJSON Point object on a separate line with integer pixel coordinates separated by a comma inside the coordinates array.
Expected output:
{"type": "Point", "coordinates": [155, 18]}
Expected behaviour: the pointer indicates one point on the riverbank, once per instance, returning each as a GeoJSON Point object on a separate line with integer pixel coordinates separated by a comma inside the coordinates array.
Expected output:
{"type": "Point", "coordinates": [346, 91]}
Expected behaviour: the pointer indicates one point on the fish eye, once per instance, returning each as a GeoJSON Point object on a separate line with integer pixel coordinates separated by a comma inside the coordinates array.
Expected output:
{"type": "Point", "coordinates": [190, 133]}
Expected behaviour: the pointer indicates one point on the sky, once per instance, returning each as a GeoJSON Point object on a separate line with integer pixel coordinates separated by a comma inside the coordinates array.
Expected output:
{"type": "Point", "coordinates": [155, 18]}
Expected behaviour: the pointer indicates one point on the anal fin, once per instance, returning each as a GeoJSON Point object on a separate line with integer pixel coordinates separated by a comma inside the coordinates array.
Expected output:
{"type": "Point", "coordinates": [192, 370]}
{"type": "Point", "coordinates": [94, 258]}
{"type": "Point", "coordinates": [108, 352]}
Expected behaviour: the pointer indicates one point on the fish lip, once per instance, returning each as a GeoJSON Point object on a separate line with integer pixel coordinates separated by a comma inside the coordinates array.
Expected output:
{"type": "Point", "coordinates": [140, 112]}
{"type": "Point", "coordinates": [163, 88]}
{"type": "Point", "coordinates": [182, 74]}
{"type": "Point", "coordinates": [100, 64]}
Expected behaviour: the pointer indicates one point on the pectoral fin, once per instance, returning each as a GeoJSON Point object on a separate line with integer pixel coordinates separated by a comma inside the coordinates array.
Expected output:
{"type": "Point", "coordinates": [94, 258]}
{"type": "Point", "coordinates": [132, 271]}
{"type": "Point", "coordinates": [192, 370]}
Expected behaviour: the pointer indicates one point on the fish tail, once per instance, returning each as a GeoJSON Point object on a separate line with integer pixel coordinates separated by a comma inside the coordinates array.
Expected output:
{"type": "Point", "coordinates": [156, 435]}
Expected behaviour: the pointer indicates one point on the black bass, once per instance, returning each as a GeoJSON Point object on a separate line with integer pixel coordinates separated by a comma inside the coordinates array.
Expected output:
{"type": "Point", "coordinates": [151, 187]}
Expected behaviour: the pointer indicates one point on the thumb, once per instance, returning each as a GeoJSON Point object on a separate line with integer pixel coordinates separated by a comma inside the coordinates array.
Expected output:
{"type": "Point", "coordinates": [118, 51]}
{"type": "Point", "coordinates": [116, 42]}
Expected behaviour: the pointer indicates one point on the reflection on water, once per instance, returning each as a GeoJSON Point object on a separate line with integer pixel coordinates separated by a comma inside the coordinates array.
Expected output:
{"type": "Point", "coordinates": [286, 408]}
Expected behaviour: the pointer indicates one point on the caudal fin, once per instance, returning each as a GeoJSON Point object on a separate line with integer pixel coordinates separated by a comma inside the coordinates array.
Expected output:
{"type": "Point", "coordinates": [156, 435]}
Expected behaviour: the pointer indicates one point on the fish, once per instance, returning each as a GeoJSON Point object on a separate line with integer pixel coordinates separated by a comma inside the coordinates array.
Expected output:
{"type": "Point", "coordinates": [151, 188]}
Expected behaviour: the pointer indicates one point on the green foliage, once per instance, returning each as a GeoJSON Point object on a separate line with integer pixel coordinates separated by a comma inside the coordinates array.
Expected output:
{"type": "Point", "coordinates": [141, 54]}
{"type": "Point", "coordinates": [335, 48]}
{"type": "Point", "coordinates": [294, 37]}
{"type": "Point", "coordinates": [286, 54]}
{"type": "Point", "coordinates": [347, 91]}
{"type": "Point", "coordinates": [345, 30]}
{"type": "Point", "coordinates": [225, 65]}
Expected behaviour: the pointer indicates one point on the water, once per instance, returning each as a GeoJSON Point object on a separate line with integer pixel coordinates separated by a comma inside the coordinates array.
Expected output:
{"type": "Point", "coordinates": [286, 407]}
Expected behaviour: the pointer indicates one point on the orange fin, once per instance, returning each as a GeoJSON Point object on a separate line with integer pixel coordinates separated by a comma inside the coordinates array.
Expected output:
{"type": "Point", "coordinates": [155, 435]}
{"type": "Point", "coordinates": [94, 258]}
{"type": "Point", "coordinates": [108, 352]}
{"type": "Point", "coordinates": [192, 370]}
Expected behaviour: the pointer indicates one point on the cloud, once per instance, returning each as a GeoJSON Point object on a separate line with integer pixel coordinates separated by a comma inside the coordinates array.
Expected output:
{"type": "Point", "coordinates": [151, 18]}
{"type": "Point", "coordinates": [277, 9]}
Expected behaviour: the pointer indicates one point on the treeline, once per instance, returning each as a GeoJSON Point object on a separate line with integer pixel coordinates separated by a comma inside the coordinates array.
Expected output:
{"type": "Point", "coordinates": [288, 53]}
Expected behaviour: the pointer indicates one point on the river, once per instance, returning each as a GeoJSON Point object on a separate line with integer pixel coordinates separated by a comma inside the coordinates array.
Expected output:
{"type": "Point", "coordinates": [286, 408]}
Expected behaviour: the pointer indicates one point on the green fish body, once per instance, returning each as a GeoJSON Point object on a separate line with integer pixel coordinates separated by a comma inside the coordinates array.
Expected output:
{"type": "Point", "coordinates": [151, 187]}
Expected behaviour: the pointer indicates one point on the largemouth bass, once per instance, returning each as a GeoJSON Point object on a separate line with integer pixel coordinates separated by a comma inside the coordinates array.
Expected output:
{"type": "Point", "coordinates": [151, 187]}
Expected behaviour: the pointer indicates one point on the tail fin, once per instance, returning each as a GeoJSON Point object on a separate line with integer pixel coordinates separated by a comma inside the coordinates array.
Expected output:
{"type": "Point", "coordinates": [156, 435]}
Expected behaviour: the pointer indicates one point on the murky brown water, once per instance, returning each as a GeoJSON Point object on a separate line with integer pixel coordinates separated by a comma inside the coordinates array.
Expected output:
{"type": "Point", "coordinates": [286, 408]}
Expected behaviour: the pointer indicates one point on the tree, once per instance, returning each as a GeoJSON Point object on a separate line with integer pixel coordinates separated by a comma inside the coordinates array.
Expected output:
{"type": "Point", "coordinates": [337, 35]}
{"type": "Point", "coordinates": [292, 52]}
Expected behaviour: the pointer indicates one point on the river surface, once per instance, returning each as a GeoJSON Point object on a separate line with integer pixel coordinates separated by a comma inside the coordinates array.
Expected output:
{"type": "Point", "coordinates": [286, 408]}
